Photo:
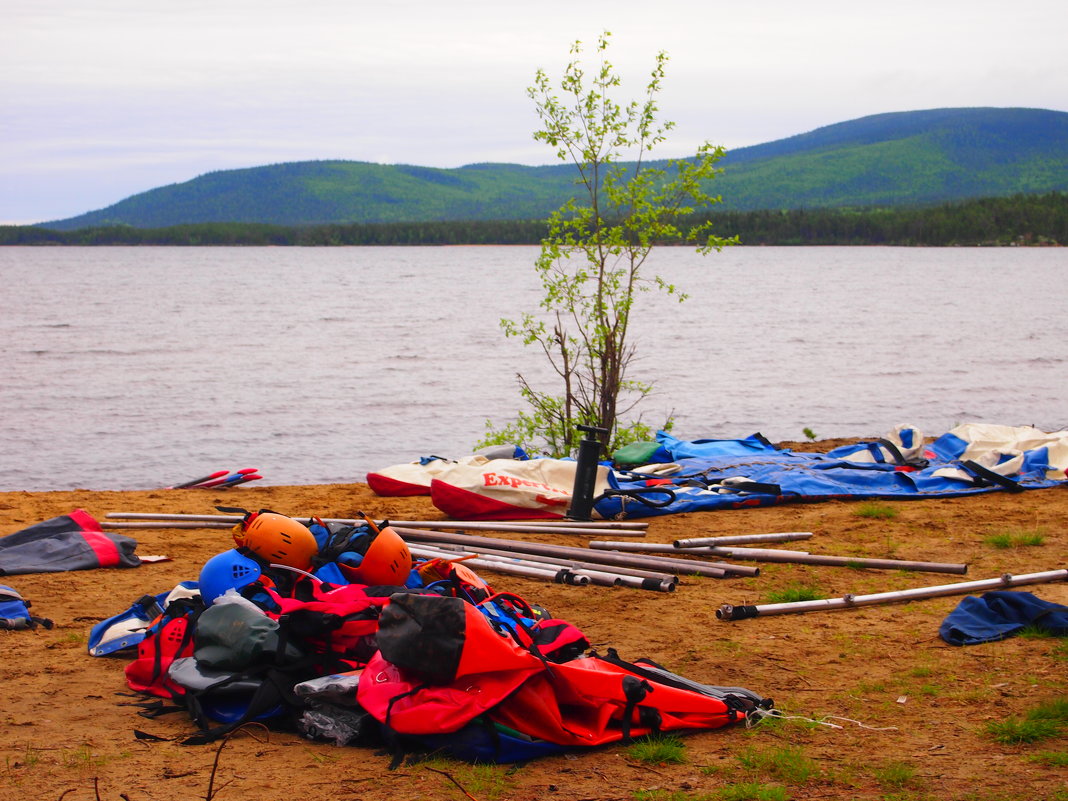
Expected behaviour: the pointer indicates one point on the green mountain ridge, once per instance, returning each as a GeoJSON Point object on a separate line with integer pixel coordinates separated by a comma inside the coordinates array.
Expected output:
{"type": "Point", "coordinates": [895, 159]}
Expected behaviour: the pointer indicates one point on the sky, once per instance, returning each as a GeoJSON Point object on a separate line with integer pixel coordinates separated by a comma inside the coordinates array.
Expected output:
{"type": "Point", "coordinates": [102, 100]}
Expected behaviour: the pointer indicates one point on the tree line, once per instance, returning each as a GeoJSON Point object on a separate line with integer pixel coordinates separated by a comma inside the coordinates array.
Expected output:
{"type": "Point", "coordinates": [1024, 219]}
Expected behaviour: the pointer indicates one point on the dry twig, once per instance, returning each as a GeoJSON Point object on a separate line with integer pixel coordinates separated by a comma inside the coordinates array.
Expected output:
{"type": "Point", "coordinates": [451, 779]}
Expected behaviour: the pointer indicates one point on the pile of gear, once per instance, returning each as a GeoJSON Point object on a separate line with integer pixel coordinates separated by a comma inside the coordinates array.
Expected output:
{"type": "Point", "coordinates": [336, 631]}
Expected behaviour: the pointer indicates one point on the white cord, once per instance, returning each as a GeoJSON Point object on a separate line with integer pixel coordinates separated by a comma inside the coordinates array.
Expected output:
{"type": "Point", "coordinates": [758, 715]}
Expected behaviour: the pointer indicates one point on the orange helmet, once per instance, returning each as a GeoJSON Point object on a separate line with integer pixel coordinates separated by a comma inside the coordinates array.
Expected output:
{"type": "Point", "coordinates": [277, 538]}
{"type": "Point", "coordinates": [387, 561]}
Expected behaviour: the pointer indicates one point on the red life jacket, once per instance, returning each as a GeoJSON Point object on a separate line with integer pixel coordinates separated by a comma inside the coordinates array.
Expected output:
{"type": "Point", "coordinates": [591, 701]}
{"type": "Point", "coordinates": [440, 664]}
{"type": "Point", "coordinates": [169, 637]}
{"type": "Point", "coordinates": [337, 624]}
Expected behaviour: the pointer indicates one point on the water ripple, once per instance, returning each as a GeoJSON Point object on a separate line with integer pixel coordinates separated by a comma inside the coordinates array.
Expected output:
{"type": "Point", "coordinates": [321, 364]}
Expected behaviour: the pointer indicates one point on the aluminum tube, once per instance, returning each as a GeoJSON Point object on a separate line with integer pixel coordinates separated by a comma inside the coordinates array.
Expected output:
{"type": "Point", "coordinates": [805, 558]}
{"type": "Point", "coordinates": [576, 564]}
{"type": "Point", "coordinates": [561, 526]}
{"type": "Point", "coordinates": [543, 523]}
{"type": "Point", "coordinates": [513, 528]}
{"type": "Point", "coordinates": [230, 519]}
{"type": "Point", "coordinates": [743, 539]}
{"type": "Point", "coordinates": [690, 567]}
{"type": "Point", "coordinates": [577, 575]}
{"type": "Point", "coordinates": [792, 557]}
{"type": "Point", "coordinates": [649, 547]}
{"type": "Point", "coordinates": [598, 578]}
{"type": "Point", "coordinates": [729, 612]}
{"type": "Point", "coordinates": [160, 524]}
{"type": "Point", "coordinates": [473, 557]}
{"type": "Point", "coordinates": [642, 547]}
{"type": "Point", "coordinates": [642, 584]}
{"type": "Point", "coordinates": [510, 568]}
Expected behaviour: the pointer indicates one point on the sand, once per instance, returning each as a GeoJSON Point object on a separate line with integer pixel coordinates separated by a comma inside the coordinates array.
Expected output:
{"type": "Point", "coordinates": [921, 707]}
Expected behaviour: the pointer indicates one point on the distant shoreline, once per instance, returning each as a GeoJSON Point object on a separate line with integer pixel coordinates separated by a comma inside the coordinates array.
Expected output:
{"type": "Point", "coordinates": [1018, 221]}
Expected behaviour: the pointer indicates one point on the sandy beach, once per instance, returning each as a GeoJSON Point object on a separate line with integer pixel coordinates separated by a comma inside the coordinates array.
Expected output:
{"type": "Point", "coordinates": [913, 711]}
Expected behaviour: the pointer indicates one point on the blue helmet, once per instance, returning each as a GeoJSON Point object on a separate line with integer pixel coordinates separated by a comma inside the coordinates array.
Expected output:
{"type": "Point", "coordinates": [229, 570]}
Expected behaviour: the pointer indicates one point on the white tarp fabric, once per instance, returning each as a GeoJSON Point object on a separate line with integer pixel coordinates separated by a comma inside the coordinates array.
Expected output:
{"type": "Point", "coordinates": [1001, 448]}
{"type": "Point", "coordinates": [907, 441]}
{"type": "Point", "coordinates": [501, 489]}
{"type": "Point", "coordinates": [414, 478]}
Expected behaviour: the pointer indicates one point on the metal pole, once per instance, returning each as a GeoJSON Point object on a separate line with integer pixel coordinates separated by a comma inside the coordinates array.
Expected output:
{"type": "Point", "coordinates": [806, 558]}
{"type": "Point", "coordinates": [792, 557]}
{"type": "Point", "coordinates": [642, 547]}
{"type": "Point", "coordinates": [591, 576]}
{"type": "Point", "coordinates": [159, 524]}
{"type": "Point", "coordinates": [512, 566]}
{"type": "Point", "coordinates": [729, 612]}
{"type": "Point", "coordinates": [623, 529]}
{"type": "Point", "coordinates": [663, 547]}
{"type": "Point", "coordinates": [686, 566]}
{"type": "Point", "coordinates": [743, 539]}
{"type": "Point", "coordinates": [527, 571]}
{"type": "Point", "coordinates": [575, 564]}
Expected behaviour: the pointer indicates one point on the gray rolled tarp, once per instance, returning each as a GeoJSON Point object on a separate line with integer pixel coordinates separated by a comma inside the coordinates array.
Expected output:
{"type": "Point", "coordinates": [67, 542]}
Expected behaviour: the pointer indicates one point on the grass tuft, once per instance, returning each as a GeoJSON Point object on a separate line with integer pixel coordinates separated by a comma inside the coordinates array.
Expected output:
{"type": "Point", "coordinates": [1014, 731]}
{"type": "Point", "coordinates": [1051, 759]}
{"type": "Point", "coordinates": [1041, 723]}
{"type": "Point", "coordinates": [795, 592]}
{"type": "Point", "coordinates": [876, 511]}
{"type": "Point", "coordinates": [658, 750]}
{"type": "Point", "coordinates": [786, 764]}
{"type": "Point", "coordinates": [752, 791]}
{"type": "Point", "coordinates": [895, 775]}
{"type": "Point", "coordinates": [1032, 631]}
{"type": "Point", "coordinates": [660, 794]}
{"type": "Point", "coordinates": [83, 758]}
{"type": "Point", "coordinates": [1016, 538]}
{"type": "Point", "coordinates": [1060, 651]}
{"type": "Point", "coordinates": [1056, 710]}
{"type": "Point", "coordinates": [484, 781]}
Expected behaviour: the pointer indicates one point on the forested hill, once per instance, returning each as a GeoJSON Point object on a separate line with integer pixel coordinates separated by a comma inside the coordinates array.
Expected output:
{"type": "Point", "coordinates": [899, 159]}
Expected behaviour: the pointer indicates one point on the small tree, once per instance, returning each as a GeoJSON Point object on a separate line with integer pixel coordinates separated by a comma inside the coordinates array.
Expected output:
{"type": "Point", "coordinates": [592, 259]}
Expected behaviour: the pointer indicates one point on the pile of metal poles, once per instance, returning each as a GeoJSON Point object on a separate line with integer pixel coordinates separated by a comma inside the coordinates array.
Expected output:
{"type": "Point", "coordinates": [728, 547]}
{"type": "Point", "coordinates": [656, 573]}
{"type": "Point", "coordinates": [558, 563]}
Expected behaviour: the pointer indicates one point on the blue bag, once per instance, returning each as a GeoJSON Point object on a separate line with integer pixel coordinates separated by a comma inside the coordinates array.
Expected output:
{"type": "Point", "coordinates": [15, 611]}
{"type": "Point", "coordinates": [1001, 614]}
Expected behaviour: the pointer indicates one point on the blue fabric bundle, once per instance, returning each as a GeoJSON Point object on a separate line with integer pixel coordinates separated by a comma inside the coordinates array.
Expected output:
{"type": "Point", "coordinates": [15, 611]}
{"type": "Point", "coordinates": [706, 468]}
{"type": "Point", "coordinates": [1001, 614]}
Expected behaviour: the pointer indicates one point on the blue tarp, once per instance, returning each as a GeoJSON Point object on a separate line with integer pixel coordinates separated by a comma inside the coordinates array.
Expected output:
{"type": "Point", "coordinates": [1000, 614]}
{"type": "Point", "coordinates": [736, 473]}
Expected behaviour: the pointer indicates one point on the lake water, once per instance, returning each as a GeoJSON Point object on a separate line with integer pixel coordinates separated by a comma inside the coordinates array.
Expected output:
{"type": "Point", "coordinates": [132, 368]}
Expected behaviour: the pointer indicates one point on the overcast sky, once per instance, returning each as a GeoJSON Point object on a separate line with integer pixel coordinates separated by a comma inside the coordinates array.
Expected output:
{"type": "Point", "coordinates": [100, 100]}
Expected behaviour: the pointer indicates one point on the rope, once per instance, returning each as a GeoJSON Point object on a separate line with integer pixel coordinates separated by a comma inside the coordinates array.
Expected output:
{"type": "Point", "coordinates": [758, 715]}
